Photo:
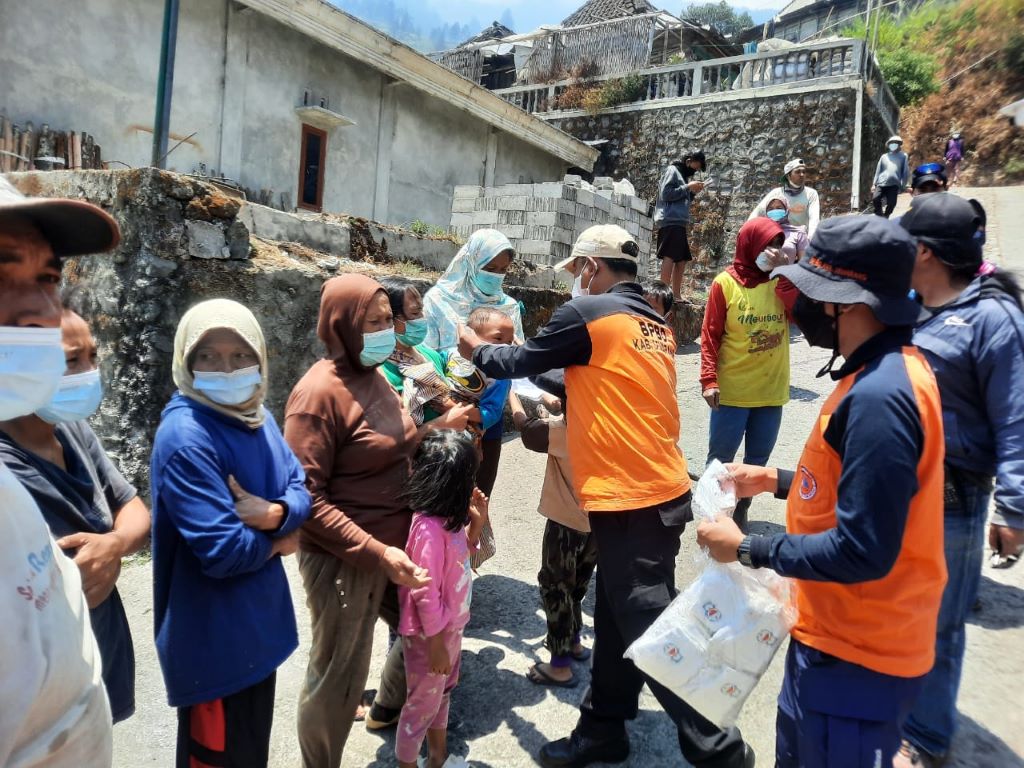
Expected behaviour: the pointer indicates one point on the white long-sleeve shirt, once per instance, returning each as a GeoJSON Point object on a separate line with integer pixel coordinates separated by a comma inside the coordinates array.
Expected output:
{"type": "Point", "coordinates": [804, 207]}
{"type": "Point", "coordinates": [53, 706]}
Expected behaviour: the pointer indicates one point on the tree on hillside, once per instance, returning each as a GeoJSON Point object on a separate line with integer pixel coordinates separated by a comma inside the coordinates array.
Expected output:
{"type": "Point", "coordinates": [720, 16]}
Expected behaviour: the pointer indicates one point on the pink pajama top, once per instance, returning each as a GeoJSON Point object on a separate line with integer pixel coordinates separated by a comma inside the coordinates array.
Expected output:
{"type": "Point", "coordinates": [444, 602]}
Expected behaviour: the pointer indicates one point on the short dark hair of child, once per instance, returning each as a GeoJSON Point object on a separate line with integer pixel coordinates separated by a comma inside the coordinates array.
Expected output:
{"type": "Point", "coordinates": [483, 315]}
{"type": "Point", "coordinates": [396, 288]}
{"type": "Point", "coordinates": [443, 477]}
{"type": "Point", "coordinates": [662, 293]}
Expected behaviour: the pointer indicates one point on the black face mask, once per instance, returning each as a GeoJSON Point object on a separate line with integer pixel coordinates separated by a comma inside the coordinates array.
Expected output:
{"type": "Point", "coordinates": [818, 328]}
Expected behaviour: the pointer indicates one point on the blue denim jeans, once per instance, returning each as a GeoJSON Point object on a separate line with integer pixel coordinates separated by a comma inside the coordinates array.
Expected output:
{"type": "Point", "coordinates": [932, 721]}
{"type": "Point", "coordinates": [730, 425]}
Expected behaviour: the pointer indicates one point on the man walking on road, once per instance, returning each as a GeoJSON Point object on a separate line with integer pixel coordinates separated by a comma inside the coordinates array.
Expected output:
{"type": "Point", "coordinates": [630, 477]}
{"type": "Point", "coordinates": [864, 513]}
{"type": "Point", "coordinates": [891, 176]}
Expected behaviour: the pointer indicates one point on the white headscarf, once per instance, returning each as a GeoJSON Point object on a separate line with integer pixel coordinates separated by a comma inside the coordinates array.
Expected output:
{"type": "Point", "coordinates": [456, 294]}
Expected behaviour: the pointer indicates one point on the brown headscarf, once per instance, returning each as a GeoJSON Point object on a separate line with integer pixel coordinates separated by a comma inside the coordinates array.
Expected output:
{"type": "Point", "coordinates": [343, 304]}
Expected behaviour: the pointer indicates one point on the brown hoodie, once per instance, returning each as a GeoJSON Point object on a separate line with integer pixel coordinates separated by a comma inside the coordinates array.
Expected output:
{"type": "Point", "coordinates": [355, 441]}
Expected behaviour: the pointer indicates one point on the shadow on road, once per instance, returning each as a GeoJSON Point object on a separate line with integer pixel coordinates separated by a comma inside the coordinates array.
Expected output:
{"type": "Point", "coordinates": [804, 395]}
{"type": "Point", "coordinates": [1001, 606]}
{"type": "Point", "coordinates": [976, 746]}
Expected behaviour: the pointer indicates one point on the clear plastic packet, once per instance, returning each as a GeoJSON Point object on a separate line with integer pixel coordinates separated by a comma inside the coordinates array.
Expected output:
{"type": "Point", "coordinates": [711, 645]}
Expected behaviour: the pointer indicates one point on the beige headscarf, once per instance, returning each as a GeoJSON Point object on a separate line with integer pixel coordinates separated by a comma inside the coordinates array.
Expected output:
{"type": "Point", "coordinates": [197, 322]}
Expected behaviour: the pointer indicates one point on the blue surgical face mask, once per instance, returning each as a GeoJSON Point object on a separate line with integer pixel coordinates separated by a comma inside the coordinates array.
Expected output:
{"type": "Point", "coordinates": [232, 388]}
{"type": "Point", "coordinates": [377, 347]}
{"type": "Point", "coordinates": [77, 398]}
{"type": "Point", "coordinates": [489, 283]}
{"type": "Point", "coordinates": [31, 366]}
{"type": "Point", "coordinates": [415, 332]}
{"type": "Point", "coordinates": [777, 214]}
{"type": "Point", "coordinates": [893, 147]}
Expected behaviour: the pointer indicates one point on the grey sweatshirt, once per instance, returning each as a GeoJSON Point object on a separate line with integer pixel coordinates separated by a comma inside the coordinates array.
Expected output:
{"type": "Point", "coordinates": [892, 170]}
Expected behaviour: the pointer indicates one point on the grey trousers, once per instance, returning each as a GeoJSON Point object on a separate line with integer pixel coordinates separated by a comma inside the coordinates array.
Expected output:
{"type": "Point", "coordinates": [344, 604]}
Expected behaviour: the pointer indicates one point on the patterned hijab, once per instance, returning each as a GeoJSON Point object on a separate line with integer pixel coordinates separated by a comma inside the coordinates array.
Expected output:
{"type": "Point", "coordinates": [457, 293]}
{"type": "Point", "coordinates": [197, 322]}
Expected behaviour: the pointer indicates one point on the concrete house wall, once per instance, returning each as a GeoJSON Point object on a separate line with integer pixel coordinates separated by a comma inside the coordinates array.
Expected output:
{"type": "Point", "coordinates": [239, 75]}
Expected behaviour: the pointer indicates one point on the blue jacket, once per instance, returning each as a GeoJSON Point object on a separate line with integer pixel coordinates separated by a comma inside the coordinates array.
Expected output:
{"type": "Point", "coordinates": [975, 345]}
{"type": "Point", "coordinates": [223, 612]}
{"type": "Point", "coordinates": [673, 206]}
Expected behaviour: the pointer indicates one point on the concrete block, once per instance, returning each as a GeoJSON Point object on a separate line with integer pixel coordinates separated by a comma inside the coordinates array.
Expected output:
{"type": "Point", "coordinates": [507, 216]}
{"type": "Point", "coordinates": [538, 233]}
{"type": "Point", "coordinates": [602, 203]}
{"type": "Point", "coordinates": [633, 229]}
{"type": "Point", "coordinates": [534, 247]}
{"type": "Point", "coordinates": [548, 189]}
{"type": "Point", "coordinates": [585, 197]}
{"type": "Point", "coordinates": [638, 204]}
{"type": "Point", "coordinates": [567, 207]}
{"type": "Point", "coordinates": [512, 202]}
{"type": "Point", "coordinates": [463, 204]}
{"type": "Point", "coordinates": [546, 219]}
{"type": "Point", "coordinates": [460, 219]}
{"type": "Point", "coordinates": [618, 213]}
{"type": "Point", "coordinates": [464, 191]}
{"type": "Point", "coordinates": [525, 190]}
{"type": "Point", "coordinates": [543, 204]}
{"type": "Point", "coordinates": [485, 218]}
{"type": "Point", "coordinates": [569, 192]}
{"type": "Point", "coordinates": [512, 231]}
{"type": "Point", "coordinates": [562, 235]}
{"type": "Point", "coordinates": [572, 180]}
{"type": "Point", "coordinates": [604, 182]}
{"type": "Point", "coordinates": [486, 204]}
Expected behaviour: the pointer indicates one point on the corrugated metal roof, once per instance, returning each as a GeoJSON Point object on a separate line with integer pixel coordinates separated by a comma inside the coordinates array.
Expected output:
{"type": "Point", "coordinates": [595, 11]}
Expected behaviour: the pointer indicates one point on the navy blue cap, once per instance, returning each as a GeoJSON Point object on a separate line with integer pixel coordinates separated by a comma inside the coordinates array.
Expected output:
{"type": "Point", "coordinates": [947, 224]}
{"type": "Point", "coordinates": [859, 260]}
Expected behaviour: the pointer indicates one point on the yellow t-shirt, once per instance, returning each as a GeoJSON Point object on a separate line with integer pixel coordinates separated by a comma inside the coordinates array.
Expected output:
{"type": "Point", "coordinates": [753, 360]}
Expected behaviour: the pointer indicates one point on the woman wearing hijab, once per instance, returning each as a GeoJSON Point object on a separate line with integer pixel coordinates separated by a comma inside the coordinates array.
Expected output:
{"type": "Point", "coordinates": [744, 350]}
{"type": "Point", "coordinates": [355, 441]}
{"type": "Point", "coordinates": [228, 498]}
{"type": "Point", "coordinates": [93, 512]}
{"type": "Point", "coordinates": [473, 280]}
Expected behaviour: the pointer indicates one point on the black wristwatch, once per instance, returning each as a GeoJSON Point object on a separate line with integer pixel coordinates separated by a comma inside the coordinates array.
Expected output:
{"type": "Point", "coordinates": [743, 552]}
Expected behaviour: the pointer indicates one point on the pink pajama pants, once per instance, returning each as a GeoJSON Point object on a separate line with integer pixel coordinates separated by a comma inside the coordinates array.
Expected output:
{"type": "Point", "coordinates": [426, 705]}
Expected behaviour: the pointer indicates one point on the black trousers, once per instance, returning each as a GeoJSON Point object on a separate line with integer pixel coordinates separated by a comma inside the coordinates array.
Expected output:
{"type": "Point", "coordinates": [231, 732]}
{"type": "Point", "coordinates": [889, 194]}
{"type": "Point", "coordinates": [636, 558]}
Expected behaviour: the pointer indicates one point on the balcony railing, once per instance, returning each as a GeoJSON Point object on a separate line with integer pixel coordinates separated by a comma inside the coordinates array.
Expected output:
{"type": "Point", "coordinates": [837, 59]}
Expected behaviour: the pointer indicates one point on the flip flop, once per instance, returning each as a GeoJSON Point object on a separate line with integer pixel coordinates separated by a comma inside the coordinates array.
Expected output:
{"type": "Point", "coordinates": [365, 701]}
{"type": "Point", "coordinates": [583, 655]}
{"type": "Point", "coordinates": [538, 676]}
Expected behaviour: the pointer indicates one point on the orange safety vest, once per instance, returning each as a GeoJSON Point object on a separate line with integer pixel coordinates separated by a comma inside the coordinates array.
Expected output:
{"type": "Point", "coordinates": [887, 625]}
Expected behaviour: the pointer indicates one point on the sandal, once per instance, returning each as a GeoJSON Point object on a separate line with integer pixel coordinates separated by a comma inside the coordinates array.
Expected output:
{"type": "Point", "coordinates": [910, 755]}
{"type": "Point", "coordinates": [538, 676]}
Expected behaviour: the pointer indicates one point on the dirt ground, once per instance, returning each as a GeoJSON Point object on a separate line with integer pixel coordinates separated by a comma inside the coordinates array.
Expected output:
{"type": "Point", "coordinates": [505, 719]}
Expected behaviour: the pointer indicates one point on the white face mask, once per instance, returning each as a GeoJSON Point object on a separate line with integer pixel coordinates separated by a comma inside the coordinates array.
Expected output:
{"type": "Point", "coordinates": [232, 388]}
{"type": "Point", "coordinates": [893, 147]}
{"type": "Point", "coordinates": [31, 366]}
{"type": "Point", "coordinates": [767, 259]}
{"type": "Point", "coordinates": [77, 398]}
{"type": "Point", "coordinates": [577, 286]}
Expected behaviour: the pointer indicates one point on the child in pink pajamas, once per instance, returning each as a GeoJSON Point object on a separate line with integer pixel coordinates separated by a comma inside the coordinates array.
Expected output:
{"type": "Point", "coordinates": [441, 488]}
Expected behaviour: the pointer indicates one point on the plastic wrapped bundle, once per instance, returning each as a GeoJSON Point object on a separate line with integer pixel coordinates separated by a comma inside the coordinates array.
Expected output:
{"type": "Point", "coordinates": [715, 640]}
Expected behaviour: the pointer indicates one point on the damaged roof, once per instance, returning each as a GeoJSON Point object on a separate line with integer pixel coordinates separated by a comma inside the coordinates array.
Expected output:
{"type": "Point", "coordinates": [595, 11]}
{"type": "Point", "coordinates": [497, 31]}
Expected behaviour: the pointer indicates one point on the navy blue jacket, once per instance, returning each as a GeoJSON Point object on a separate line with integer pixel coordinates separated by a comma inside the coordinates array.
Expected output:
{"type": "Point", "coordinates": [876, 430]}
{"type": "Point", "coordinates": [975, 345]}
{"type": "Point", "coordinates": [223, 612]}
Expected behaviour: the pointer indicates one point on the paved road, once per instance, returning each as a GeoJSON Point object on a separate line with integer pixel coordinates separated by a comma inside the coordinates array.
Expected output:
{"type": "Point", "coordinates": [506, 718]}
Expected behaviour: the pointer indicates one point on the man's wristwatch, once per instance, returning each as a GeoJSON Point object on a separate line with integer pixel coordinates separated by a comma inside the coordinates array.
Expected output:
{"type": "Point", "coordinates": [743, 552]}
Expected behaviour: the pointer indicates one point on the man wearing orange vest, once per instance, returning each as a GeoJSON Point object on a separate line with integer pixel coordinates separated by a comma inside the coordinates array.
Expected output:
{"type": "Point", "coordinates": [864, 508]}
{"type": "Point", "coordinates": [622, 429]}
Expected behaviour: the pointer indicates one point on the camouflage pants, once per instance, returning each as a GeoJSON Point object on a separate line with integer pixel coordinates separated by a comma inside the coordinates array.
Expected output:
{"type": "Point", "coordinates": [568, 558]}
